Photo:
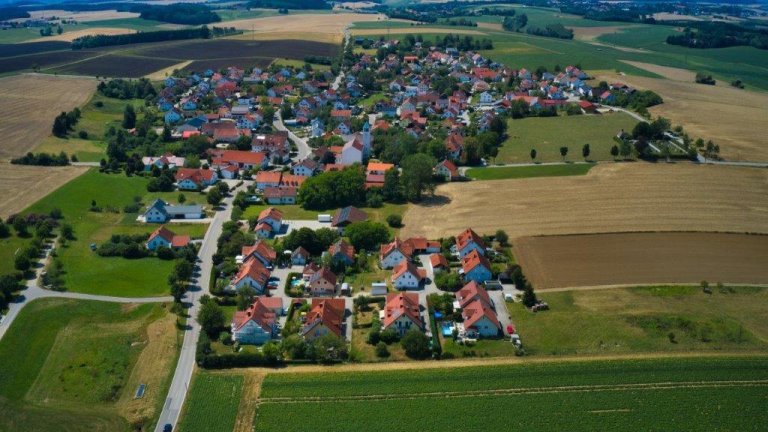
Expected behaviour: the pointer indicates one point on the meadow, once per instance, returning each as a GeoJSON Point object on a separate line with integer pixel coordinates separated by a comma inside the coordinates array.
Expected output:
{"type": "Point", "coordinates": [212, 403]}
{"type": "Point", "coordinates": [499, 173]}
{"type": "Point", "coordinates": [87, 272]}
{"type": "Point", "coordinates": [634, 320]}
{"type": "Point", "coordinates": [76, 369]}
{"type": "Point", "coordinates": [579, 396]}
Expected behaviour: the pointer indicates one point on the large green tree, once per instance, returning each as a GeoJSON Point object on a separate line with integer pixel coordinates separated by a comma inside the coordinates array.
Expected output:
{"type": "Point", "coordinates": [417, 175]}
{"type": "Point", "coordinates": [367, 235]}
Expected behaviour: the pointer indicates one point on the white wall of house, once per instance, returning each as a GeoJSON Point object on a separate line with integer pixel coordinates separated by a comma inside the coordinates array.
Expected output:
{"type": "Point", "coordinates": [394, 258]}
{"type": "Point", "coordinates": [406, 281]}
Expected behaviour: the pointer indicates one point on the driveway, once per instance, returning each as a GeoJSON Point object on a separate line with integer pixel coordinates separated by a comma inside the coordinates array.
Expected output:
{"type": "Point", "coordinates": [295, 224]}
{"type": "Point", "coordinates": [281, 275]}
{"type": "Point", "coordinates": [497, 296]}
{"type": "Point", "coordinates": [302, 147]}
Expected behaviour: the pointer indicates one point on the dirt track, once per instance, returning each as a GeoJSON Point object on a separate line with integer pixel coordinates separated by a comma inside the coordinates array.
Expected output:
{"type": "Point", "coordinates": [630, 197]}
{"type": "Point", "coordinates": [643, 258]}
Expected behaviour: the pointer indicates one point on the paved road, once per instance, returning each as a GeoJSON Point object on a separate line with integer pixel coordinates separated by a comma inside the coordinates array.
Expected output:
{"type": "Point", "coordinates": [183, 374]}
{"type": "Point", "coordinates": [34, 292]}
{"type": "Point", "coordinates": [301, 144]}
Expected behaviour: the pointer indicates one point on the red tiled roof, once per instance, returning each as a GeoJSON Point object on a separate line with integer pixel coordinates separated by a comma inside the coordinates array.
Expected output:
{"type": "Point", "coordinates": [471, 292]}
{"type": "Point", "coordinates": [279, 192]}
{"type": "Point", "coordinates": [466, 236]}
{"type": "Point", "coordinates": [179, 241]}
{"type": "Point", "coordinates": [404, 267]}
{"type": "Point", "coordinates": [255, 269]}
{"type": "Point", "coordinates": [261, 312]}
{"type": "Point", "coordinates": [262, 248]}
{"type": "Point", "coordinates": [268, 177]}
{"type": "Point", "coordinates": [329, 312]}
{"type": "Point", "coordinates": [474, 259]}
{"type": "Point", "coordinates": [271, 212]}
{"type": "Point", "coordinates": [292, 180]}
{"type": "Point", "coordinates": [197, 175]}
{"type": "Point", "coordinates": [475, 311]}
{"type": "Point", "coordinates": [163, 232]}
{"type": "Point", "coordinates": [438, 260]}
{"type": "Point", "coordinates": [399, 304]}
{"type": "Point", "coordinates": [243, 157]}
{"type": "Point", "coordinates": [343, 248]}
{"type": "Point", "coordinates": [396, 244]}
{"type": "Point", "coordinates": [379, 166]}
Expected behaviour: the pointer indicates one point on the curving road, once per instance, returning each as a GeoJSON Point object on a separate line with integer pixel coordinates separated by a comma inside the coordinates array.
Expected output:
{"type": "Point", "coordinates": [301, 144]}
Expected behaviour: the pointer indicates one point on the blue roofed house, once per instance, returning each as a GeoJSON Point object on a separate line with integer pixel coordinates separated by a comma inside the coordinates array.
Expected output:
{"type": "Point", "coordinates": [172, 117]}
{"type": "Point", "coordinates": [170, 81]}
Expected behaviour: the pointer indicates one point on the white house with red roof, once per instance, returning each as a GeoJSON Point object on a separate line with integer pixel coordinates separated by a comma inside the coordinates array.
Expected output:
{"type": "Point", "coordinates": [167, 159]}
{"type": "Point", "coordinates": [352, 152]}
{"type": "Point", "coordinates": [195, 178]}
{"type": "Point", "coordinates": [402, 313]}
{"type": "Point", "coordinates": [447, 170]}
{"type": "Point", "coordinates": [272, 217]}
{"type": "Point", "coordinates": [265, 179]}
{"type": "Point", "coordinates": [407, 276]}
{"type": "Point", "coordinates": [392, 254]}
{"type": "Point", "coordinates": [477, 309]}
{"type": "Point", "coordinates": [322, 283]}
{"type": "Point", "coordinates": [324, 317]}
{"type": "Point", "coordinates": [259, 323]}
{"type": "Point", "coordinates": [251, 274]}
{"type": "Point", "coordinates": [438, 263]}
{"type": "Point", "coordinates": [467, 241]}
{"type": "Point", "coordinates": [261, 251]}
{"type": "Point", "coordinates": [163, 237]}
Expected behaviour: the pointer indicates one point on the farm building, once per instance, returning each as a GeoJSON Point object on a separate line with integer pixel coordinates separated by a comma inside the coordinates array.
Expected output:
{"type": "Point", "coordinates": [161, 212]}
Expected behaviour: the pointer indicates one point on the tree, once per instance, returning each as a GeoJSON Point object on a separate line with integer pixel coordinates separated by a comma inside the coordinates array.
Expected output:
{"type": "Point", "coordinates": [367, 235]}
{"type": "Point", "coordinates": [210, 317]}
{"type": "Point", "coordinates": [392, 191]}
{"type": "Point", "coordinates": [529, 297]}
{"type": "Point", "coordinates": [20, 226]}
{"type": "Point", "coordinates": [502, 237]}
{"type": "Point", "coordinates": [182, 199]}
{"type": "Point", "coordinates": [272, 352]}
{"type": "Point", "coordinates": [59, 30]}
{"type": "Point", "coordinates": [67, 232]}
{"type": "Point", "coordinates": [381, 350]}
{"type": "Point", "coordinates": [395, 220]}
{"type": "Point", "coordinates": [417, 175]}
{"type": "Point", "coordinates": [245, 297]}
{"type": "Point", "coordinates": [177, 291]}
{"type": "Point", "coordinates": [615, 151]}
{"type": "Point", "coordinates": [533, 155]}
{"type": "Point", "coordinates": [4, 230]}
{"type": "Point", "coordinates": [328, 348]}
{"type": "Point", "coordinates": [416, 344]}
{"type": "Point", "coordinates": [563, 152]}
{"type": "Point", "coordinates": [214, 197]}
{"type": "Point", "coordinates": [183, 270]}
{"type": "Point", "coordinates": [129, 117]}
{"type": "Point", "coordinates": [22, 263]}
{"type": "Point", "coordinates": [585, 151]}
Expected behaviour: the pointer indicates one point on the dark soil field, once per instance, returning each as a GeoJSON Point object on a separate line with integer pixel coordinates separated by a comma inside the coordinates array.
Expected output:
{"type": "Point", "coordinates": [42, 60]}
{"type": "Point", "coordinates": [230, 48]}
{"type": "Point", "coordinates": [12, 50]}
{"type": "Point", "coordinates": [217, 64]}
{"type": "Point", "coordinates": [115, 65]}
{"type": "Point", "coordinates": [642, 259]}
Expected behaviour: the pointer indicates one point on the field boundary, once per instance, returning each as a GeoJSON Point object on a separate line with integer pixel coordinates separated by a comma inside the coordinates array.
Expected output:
{"type": "Point", "coordinates": [750, 233]}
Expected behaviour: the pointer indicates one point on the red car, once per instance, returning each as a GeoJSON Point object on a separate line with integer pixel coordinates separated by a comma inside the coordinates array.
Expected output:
{"type": "Point", "coordinates": [510, 330]}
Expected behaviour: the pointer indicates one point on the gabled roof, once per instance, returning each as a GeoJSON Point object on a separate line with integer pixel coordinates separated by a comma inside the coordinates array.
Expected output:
{"type": "Point", "coordinates": [467, 236]}
{"type": "Point", "coordinates": [419, 244]}
{"type": "Point", "coordinates": [395, 245]}
{"type": "Point", "coordinates": [255, 269]}
{"type": "Point", "coordinates": [475, 311]}
{"type": "Point", "coordinates": [242, 157]}
{"type": "Point", "coordinates": [404, 267]}
{"type": "Point", "coordinates": [300, 251]}
{"type": "Point", "coordinates": [163, 233]}
{"type": "Point", "coordinates": [329, 312]}
{"type": "Point", "coordinates": [323, 273]}
{"type": "Point", "coordinates": [399, 304]}
{"type": "Point", "coordinates": [262, 248]}
{"type": "Point", "coordinates": [344, 248]}
{"type": "Point", "coordinates": [268, 177]}
{"type": "Point", "coordinates": [196, 175]}
{"type": "Point", "coordinates": [471, 292]}
{"type": "Point", "coordinates": [474, 259]}
{"type": "Point", "coordinates": [261, 312]}
{"type": "Point", "coordinates": [348, 215]}
{"type": "Point", "coordinates": [270, 212]}
{"type": "Point", "coordinates": [379, 166]}
{"type": "Point", "coordinates": [438, 260]}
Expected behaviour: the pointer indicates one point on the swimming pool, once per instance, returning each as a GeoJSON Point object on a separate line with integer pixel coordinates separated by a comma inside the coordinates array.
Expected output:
{"type": "Point", "coordinates": [447, 328]}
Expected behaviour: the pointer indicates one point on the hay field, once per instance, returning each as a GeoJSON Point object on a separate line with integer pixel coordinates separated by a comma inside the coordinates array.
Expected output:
{"type": "Point", "coordinates": [304, 26]}
{"type": "Point", "coordinates": [732, 118]}
{"type": "Point", "coordinates": [589, 34]}
{"type": "Point", "coordinates": [30, 103]}
{"type": "Point", "coordinates": [626, 197]}
{"type": "Point", "coordinates": [643, 258]}
{"type": "Point", "coordinates": [84, 16]}
{"type": "Point", "coordinates": [21, 186]}
{"type": "Point", "coordinates": [69, 36]}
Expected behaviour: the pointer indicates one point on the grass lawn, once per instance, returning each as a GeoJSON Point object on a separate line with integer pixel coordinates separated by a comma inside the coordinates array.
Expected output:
{"type": "Point", "coordinates": [604, 394]}
{"type": "Point", "coordinates": [528, 171]}
{"type": "Point", "coordinates": [95, 121]}
{"type": "Point", "coordinates": [372, 99]}
{"type": "Point", "coordinates": [300, 64]}
{"type": "Point", "coordinates": [76, 369]}
{"type": "Point", "coordinates": [641, 319]}
{"type": "Point", "coordinates": [361, 282]}
{"type": "Point", "coordinates": [482, 348]}
{"type": "Point", "coordinates": [212, 403]}
{"type": "Point", "coordinates": [9, 247]}
{"type": "Point", "coordinates": [87, 272]}
{"type": "Point", "coordinates": [296, 212]}
{"type": "Point", "coordinates": [548, 134]}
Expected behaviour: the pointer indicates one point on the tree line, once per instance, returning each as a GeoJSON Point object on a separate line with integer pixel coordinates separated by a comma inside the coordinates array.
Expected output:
{"type": "Point", "coordinates": [65, 122]}
{"type": "Point", "coordinates": [42, 159]}
{"type": "Point", "coordinates": [179, 13]}
{"type": "Point", "coordinates": [127, 89]}
{"type": "Point", "coordinates": [719, 35]}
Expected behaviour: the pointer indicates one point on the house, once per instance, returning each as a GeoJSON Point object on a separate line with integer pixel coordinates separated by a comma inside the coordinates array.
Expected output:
{"type": "Point", "coordinates": [438, 263]}
{"type": "Point", "coordinates": [447, 169]}
{"type": "Point", "coordinates": [352, 152]}
{"type": "Point", "coordinates": [305, 168]}
{"type": "Point", "coordinates": [161, 212]}
{"type": "Point", "coordinates": [163, 237]}
{"type": "Point", "coordinates": [300, 256]}
{"type": "Point", "coordinates": [259, 323]}
{"type": "Point", "coordinates": [322, 283]}
{"type": "Point", "coordinates": [309, 270]}
{"type": "Point", "coordinates": [261, 251]}
{"type": "Point", "coordinates": [472, 292]}
{"type": "Point", "coordinates": [394, 253]}
{"type": "Point", "coordinates": [238, 158]}
{"type": "Point", "coordinates": [467, 241]}
{"type": "Point", "coordinates": [454, 144]}
{"type": "Point", "coordinates": [588, 107]}
{"type": "Point", "coordinates": [324, 317]}
{"type": "Point", "coordinates": [264, 230]}
{"type": "Point", "coordinates": [401, 313]}
{"type": "Point", "coordinates": [251, 274]}
{"type": "Point", "coordinates": [343, 252]}
{"type": "Point", "coordinates": [406, 276]}
{"type": "Point", "coordinates": [476, 267]}
{"type": "Point", "coordinates": [265, 179]}
{"type": "Point", "coordinates": [480, 320]}
{"type": "Point", "coordinates": [420, 245]}
{"type": "Point", "coordinates": [346, 216]}
{"type": "Point", "coordinates": [486, 98]}
{"type": "Point", "coordinates": [280, 195]}
{"type": "Point", "coordinates": [195, 178]}
{"type": "Point", "coordinates": [168, 159]}
{"type": "Point", "coordinates": [271, 217]}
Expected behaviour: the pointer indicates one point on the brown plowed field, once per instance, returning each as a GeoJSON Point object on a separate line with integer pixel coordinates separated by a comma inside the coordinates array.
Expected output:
{"type": "Point", "coordinates": [642, 259]}
{"type": "Point", "coordinates": [627, 197]}
{"type": "Point", "coordinates": [30, 103]}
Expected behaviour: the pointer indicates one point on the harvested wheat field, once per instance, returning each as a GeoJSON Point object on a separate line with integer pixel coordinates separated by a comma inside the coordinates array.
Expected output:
{"type": "Point", "coordinates": [416, 30]}
{"type": "Point", "coordinates": [591, 33]}
{"type": "Point", "coordinates": [304, 26]}
{"type": "Point", "coordinates": [732, 118]}
{"type": "Point", "coordinates": [643, 259]}
{"type": "Point", "coordinates": [23, 185]}
{"type": "Point", "coordinates": [84, 16]}
{"type": "Point", "coordinates": [625, 197]}
{"type": "Point", "coordinates": [69, 36]}
{"type": "Point", "coordinates": [31, 102]}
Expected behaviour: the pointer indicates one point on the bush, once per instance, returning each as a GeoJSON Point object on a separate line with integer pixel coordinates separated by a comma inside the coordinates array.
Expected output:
{"type": "Point", "coordinates": [83, 134]}
{"type": "Point", "coordinates": [389, 336]}
{"type": "Point", "coordinates": [165, 253]}
{"type": "Point", "coordinates": [416, 344]}
{"type": "Point", "coordinates": [395, 221]}
{"type": "Point", "coordinates": [381, 350]}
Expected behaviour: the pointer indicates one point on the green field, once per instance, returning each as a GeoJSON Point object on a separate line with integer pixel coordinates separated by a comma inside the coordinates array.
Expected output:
{"type": "Point", "coordinates": [95, 121]}
{"type": "Point", "coordinates": [598, 395]}
{"type": "Point", "coordinates": [89, 273]}
{"type": "Point", "coordinates": [69, 371]}
{"type": "Point", "coordinates": [10, 247]}
{"type": "Point", "coordinates": [212, 403]}
{"type": "Point", "coordinates": [499, 173]}
{"type": "Point", "coordinates": [548, 134]}
{"type": "Point", "coordinates": [630, 320]}
{"type": "Point", "coordinates": [296, 212]}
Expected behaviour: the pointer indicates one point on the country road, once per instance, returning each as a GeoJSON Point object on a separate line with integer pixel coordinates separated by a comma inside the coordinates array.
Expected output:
{"type": "Point", "coordinates": [184, 368]}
